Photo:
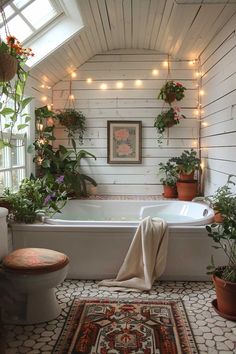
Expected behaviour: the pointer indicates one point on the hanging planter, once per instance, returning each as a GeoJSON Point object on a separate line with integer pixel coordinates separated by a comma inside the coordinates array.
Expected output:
{"type": "Point", "coordinates": [8, 67]}
{"type": "Point", "coordinates": [167, 119]}
{"type": "Point", "coordinates": [74, 121]}
{"type": "Point", "coordinates": [172, 91]}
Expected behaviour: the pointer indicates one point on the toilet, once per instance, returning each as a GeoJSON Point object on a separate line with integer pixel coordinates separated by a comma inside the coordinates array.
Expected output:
{"type": "Point", "coordinates": [30, 276]}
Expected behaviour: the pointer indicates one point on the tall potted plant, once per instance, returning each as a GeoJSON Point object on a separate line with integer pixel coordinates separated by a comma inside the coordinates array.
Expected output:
{"type": "Point", "coordinates": [224, 276]}
{"type": "Point", "coordinates": [187, 163]}
{"type": "Point", "coordinates": [169, 179]}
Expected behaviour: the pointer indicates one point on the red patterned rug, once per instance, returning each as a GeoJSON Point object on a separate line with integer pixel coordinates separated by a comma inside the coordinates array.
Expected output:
{"type": "Point", "coordinates": [102, 326]}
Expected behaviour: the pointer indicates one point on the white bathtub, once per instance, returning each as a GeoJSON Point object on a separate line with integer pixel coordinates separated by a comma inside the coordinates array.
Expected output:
{"type": "Point", "coordinates": [130, 212]}
{"type": "Point", "coordinates": [97, 248]}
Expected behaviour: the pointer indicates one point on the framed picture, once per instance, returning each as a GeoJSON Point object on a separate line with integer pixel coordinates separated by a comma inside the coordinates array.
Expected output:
{"type": "Point", "coordinates": [124, 141]}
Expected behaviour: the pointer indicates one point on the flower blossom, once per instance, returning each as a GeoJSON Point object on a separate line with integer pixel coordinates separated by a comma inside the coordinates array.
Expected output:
{"type": "Point", "coordinates": [121, 134]}
{"type": "Point", "coordinates": [60, 179]}
{"type": "Point", "coordinates": [124, 150]}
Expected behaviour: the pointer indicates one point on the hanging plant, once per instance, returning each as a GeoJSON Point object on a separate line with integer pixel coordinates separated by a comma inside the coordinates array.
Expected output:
{"type": "Point", "coordinates": [74, 121]}
{"type": "Point", "coordinates": [13, 100]}
{"type": "Point", "coordinates": [167, 119]}
{"type": "Point", "coordinates": [172, 91]}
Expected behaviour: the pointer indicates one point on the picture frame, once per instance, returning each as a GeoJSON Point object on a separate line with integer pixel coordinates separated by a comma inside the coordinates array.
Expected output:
{"type": "Point", "coordinates": [124, 142]}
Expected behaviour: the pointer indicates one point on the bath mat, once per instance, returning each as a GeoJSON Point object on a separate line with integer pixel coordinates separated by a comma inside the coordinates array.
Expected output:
{"type": "Point", "coordinates": [104, 326]}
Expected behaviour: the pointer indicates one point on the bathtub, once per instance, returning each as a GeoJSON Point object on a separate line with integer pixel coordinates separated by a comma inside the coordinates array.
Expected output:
{"type": "Point", "coordinates": [96, 236]}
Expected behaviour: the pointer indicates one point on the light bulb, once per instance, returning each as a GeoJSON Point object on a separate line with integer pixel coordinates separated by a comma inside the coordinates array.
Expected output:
{"type": "Point", "coordinates": [44, 98]}
{"type": "Point", "coordinates": [73, 74]}
{"type": "Point", "coordinates": [138, 83]}
{"type": "Point", "coordinates": [155, 72]}
{"type": "Point", "coordinates": [89, 80]}
{"type": "Point", "coordinates": [119, 84]}
{"type": "Point", "coordinates": [103, 86]}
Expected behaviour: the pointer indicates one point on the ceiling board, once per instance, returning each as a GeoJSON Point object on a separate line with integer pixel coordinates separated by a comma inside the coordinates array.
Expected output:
{"type": "Point", "coordinates": [166, 26]}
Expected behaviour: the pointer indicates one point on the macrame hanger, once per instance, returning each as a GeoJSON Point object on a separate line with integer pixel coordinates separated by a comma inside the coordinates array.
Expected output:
{"type": "Point", "coordinates": [167, 79]}
{"type": "Point", "coordinates": [70, 102]}
{"type": "Point", "coordinates": [4, 20]}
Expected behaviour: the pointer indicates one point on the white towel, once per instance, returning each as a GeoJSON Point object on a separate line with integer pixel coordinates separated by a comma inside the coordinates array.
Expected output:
{"type": "Point", "coordinates": [146, 258]}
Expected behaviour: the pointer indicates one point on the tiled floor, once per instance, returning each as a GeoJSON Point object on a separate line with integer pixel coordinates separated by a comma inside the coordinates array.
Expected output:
{"type": "Point", "coordinates": [212, 333]}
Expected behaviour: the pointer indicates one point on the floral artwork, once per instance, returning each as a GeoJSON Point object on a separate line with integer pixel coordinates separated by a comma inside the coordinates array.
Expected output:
{"type": "Point", "coordinates": [124, 142]}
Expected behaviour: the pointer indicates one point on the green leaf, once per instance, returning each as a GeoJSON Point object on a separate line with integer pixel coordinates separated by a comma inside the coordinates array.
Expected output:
{"type": "Point", "coordinates": [7, 111]}
{"type": "Point", "coordinates": [25, 102]}
{"type": "Point", "coordinates": [46, 164]}
{"type": "Point", "coordinates": [27, 119]}
{"type": "Point", "coordinates": [7, 126]}
{"type": "Point", "coordinates": [31, 148]}
{"type": "Point", "coordinates": [21, 126]}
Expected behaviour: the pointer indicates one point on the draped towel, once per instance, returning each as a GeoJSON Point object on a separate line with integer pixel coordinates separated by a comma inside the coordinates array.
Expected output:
{"type": "Point", "coordinates": [145, 260]}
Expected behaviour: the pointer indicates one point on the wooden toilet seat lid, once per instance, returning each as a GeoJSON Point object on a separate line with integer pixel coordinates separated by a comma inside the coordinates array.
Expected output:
{"type": "Point", "coordinates": [35, 260]}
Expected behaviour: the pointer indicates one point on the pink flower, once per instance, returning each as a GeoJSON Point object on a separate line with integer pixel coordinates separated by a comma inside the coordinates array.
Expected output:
{"type": "Point", "coordinates": [124, 150]}
{"type": "Point", "coordinates": [121, 134]}
{"type": "Point", "coordinates": [178, 84]}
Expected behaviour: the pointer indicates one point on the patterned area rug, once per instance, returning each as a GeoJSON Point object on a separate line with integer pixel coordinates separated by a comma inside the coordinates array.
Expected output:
{"type": "Point", "coordinates": [102, 326]}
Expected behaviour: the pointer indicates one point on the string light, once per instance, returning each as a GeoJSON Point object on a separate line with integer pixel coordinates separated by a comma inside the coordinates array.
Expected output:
{"type": "Point", "coordinates": [138, 83]}
{"type": "Point", "coordinates": [165, 63]}
{"type": "Point", "coordinates": [71, 97]}
{"type": "Point", "coordinates": [194, 142]}
{"type": "Point", "coordinates": [204, 124]}
{"type": "Point", "coordinates": [155, 72]}
{"type": "Point", "coordinates": [73, 74]}
{"type": "Point", "coordinates": [201, 92]}
{"type": "Point", "coordinates": [119, 84]}
{"type": "Point", "coordinates": [103, 86]}
{"type": "Point", "coordinates": [197, 112]}
{"type": "Point", "coordinates": [89, 80]}
{"type": "Point", "coordinates": [44, 98]}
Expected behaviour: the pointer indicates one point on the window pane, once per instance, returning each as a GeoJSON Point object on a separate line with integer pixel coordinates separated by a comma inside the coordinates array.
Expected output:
{"type": "Point", "coordinates": [17, 176]}
{"type": "Point", "coordinates": [20, 3]}
{"type": "Point", "coordinates": [4, 181]}
{"type": "Point", "coordinates": [17, 153]}
{"type": "Point", "coordinates": [39, 12]}
{"type": "Point", "coordinates": [23, 30]}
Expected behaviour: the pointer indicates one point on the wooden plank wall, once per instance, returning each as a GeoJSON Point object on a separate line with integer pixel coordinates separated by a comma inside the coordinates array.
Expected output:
{"type": "Point", "coordinates": [129, 103]}
{"type": "Point", "coordinates": [218, 127]}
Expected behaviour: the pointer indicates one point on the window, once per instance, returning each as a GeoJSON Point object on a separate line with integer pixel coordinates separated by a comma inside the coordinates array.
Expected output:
{"type": "Point", "coordinates": [12, 164]}
{"type": "Point", "coordinates": [13, 159]}
{"type": "Point", "coordinates": [28, 17]}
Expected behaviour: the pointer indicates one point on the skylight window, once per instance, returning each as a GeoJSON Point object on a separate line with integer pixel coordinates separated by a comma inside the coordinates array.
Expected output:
{"type": "Point", "coordinates": [26, 17]}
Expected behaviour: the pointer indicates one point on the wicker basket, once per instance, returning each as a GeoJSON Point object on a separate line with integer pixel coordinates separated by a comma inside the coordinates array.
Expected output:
{"type": "Point", "coordinates": [8, 67]}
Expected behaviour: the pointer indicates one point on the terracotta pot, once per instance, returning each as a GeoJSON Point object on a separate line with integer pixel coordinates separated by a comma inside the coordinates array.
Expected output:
{"type": "Point", "coordinates": [8, 67]}
{"type": "Point", "coordinates": [187, 190]}
{"type": "Point", "coordinates": [169, 191]}
{"type": "Point", "coordinates": [226, 295]}
{"type": "Point", "coordinates": [218, 218]}
{"type": "Point", "coordinates": [185, 177]}
{"type": "Point", "coordinates": [170, 97]}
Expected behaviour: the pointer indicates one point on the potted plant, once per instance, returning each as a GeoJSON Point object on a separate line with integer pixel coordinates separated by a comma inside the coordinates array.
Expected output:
{"type": "Point", "coordinates": [36, 195]}
{"type": "Point", "coordinates": [224, 276]}
{"type": "Point", "coordinates": [167, 119]}
{"type": "Point", "coordinates": [187, 163]}
{"type": "Point", "coordinates": [66, 162]}
{"type": "Point", "coordinates": [169, 180]}
{"type": "Point", "coordinates": [13, 92]}
{"type": "Point", "coordinates": [172, 91]}
{"type": "Point", "coordinates": [74, 121]}
{"type": "Point", "coordinates": [218, 201]}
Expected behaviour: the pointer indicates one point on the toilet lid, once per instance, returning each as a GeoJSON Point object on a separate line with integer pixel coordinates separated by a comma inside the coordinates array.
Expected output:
{"type": "Point", "coordinates": [35, 260]}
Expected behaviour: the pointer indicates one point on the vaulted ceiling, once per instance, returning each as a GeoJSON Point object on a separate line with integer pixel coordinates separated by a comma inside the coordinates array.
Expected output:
{"type": "Point", "coordinates": [179, 28]}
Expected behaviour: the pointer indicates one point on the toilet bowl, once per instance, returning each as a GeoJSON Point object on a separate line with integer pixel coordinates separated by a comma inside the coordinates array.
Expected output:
{"type": "Point", "coordinates": [32, 275]}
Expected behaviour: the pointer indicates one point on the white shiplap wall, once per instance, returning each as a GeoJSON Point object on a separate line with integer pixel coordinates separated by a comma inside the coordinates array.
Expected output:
{"type": "Point", "coordinates": [129, 103]}
{"type": "Point", "coordinates": [218, 133]}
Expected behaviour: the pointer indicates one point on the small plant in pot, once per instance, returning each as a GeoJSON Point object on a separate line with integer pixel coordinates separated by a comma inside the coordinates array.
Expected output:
{"type": "Point", "coordinates": [187, 163]}
{"type": "Point", "coordinates": [172, 91]}
{"type": "Point", "coordinates": [224, 276]}
{"type": "Point", "coordinates": [169, 170]}
{"type": "Point", "coordinates": [167, 119]}
{"type": "Point", "coordinates": [218, 201]}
